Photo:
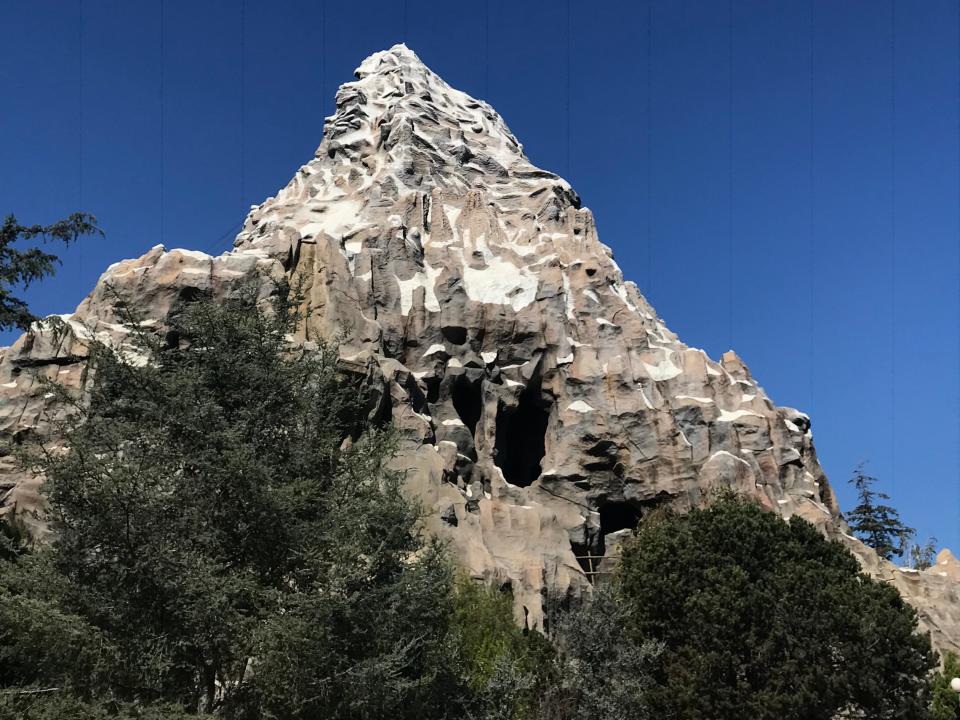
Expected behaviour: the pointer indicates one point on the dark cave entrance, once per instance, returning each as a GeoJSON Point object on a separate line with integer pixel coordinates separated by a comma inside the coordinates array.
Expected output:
{"type": "Point", "coordinates": [520, 435]}
{"type": "Point", "coordinates": [467, 401]}
{"type": "Point", "coordinates": [614, 516]}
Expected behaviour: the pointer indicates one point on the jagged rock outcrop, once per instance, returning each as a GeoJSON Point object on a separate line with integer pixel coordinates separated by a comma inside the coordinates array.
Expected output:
{"type": "Point", "coordinates": [543, 405]}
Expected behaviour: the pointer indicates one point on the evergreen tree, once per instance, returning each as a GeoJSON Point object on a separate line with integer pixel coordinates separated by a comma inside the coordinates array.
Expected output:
{"type": "Point", "coordinates": [19, 267]}
{"type": "Point", "coordinates": [876, 524]}
{"type": "Point", "coordinates": [923, 556]}
{"type": "Point", "coordinates": [228, 539]}
{"type": "Point", "coordinates": [765, 619]}
{"type": "Point", "coordinates": [506, 671]}
{"type": "Point", "coordinates": [600, 672]}
{"type": "Point", "coordinates": [946, 701]}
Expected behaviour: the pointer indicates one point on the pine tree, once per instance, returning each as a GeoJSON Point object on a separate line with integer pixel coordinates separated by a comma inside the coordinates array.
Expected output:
{"type": "Point", "coordinates": [946, 702]}
{"type": "Point", "coordinates": [876, 524]}
{"type": "Point", "coordinates": [21, 267]}
{"type": "Point", "coordinates": [765, 619]}
{"type": "Point", "coordinates": [222, 504]}
{"type": "Point", "coordinates": [923, 556]}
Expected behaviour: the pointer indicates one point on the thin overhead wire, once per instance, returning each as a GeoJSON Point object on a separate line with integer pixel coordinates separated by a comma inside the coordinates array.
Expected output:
{"type": "Point", "coordinates": [811, 245]}
{"type": "Point", "coordinates": [162, 114]}
{"type": "Point", "coordinates": [649, 169]}
{"type": "Point", "coordinates": [569, 109]}
{"type": "Point", "coordinates": [218, 243]}
{"type": "Point", "coordinates": [731, 268]}
{"type": "Point", "coordinates": [80, 131]}
{"type": "Point", "coordinates": [958, 258]}
{"type": "Point", "coordinates": [486, 43]}
{"type": "Point", "coordinates": [323, 49]}
{"type": "Point", "coordinates": [242, 102]}
{"type": "Point", "coordinates": [893, 242]}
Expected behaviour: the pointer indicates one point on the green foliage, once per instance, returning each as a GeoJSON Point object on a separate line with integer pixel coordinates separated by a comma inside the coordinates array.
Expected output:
{"type": "Point", "coordinates": [230, 541]}
{"type": "Point", "coordinates": [53, 704]}
{"type": "Point", "coordinates": [485, 630]}
{"type": "Point", "coordinates": [923, 556]}
{"type": "Point", "coordinates": [15, 538]}
{"type": "Point", "coordinates": [21, 267]}
{"type": "Point", "coordinates": [946, 702]}
{"type": "Point", "coordinates": [228, 538]}
{"type": "Point", "coordinates": [505, 669]}
{"type": "Point", "coordinates": [765, 619]}
{"type": "Point", "coordinates": [877, 525]}
{"type": "Point", "coordinates": [601, 673]}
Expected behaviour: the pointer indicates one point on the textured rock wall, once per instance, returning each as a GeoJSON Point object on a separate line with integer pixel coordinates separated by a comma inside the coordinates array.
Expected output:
{"type": "Point", "coordinates": [544, 407]}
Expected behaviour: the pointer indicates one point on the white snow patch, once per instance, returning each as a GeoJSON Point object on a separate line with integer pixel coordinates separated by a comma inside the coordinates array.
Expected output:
{"type": "Point", "coordinates": [694, 397]}
{"type": "Point", "coordinates": [565, 360]}
{"type": "Point", "coordinates": [500, 283]}
{"type": "Point", "coordinates": [579, 406]}
{"type": "Point", "coordinates": [310, 230]}
{"type": "Point", "coordinates": [621, 292]}
{"type": "Point", "coordinates": [728, 454]}
{"type": "Point", "coordinates": [195, 254]}
{"type": "Point", "coordinates": [340, 215]}
{"type": "Point", "coordinates": [646, 400]}
{"type": "Point", "coordinates": [426, 280]}
{"type": "Point", "coordinates": [455, 421]}
{"type": "Point", "coordinates": [592, 295]}
{"type": "Point", "coordinates": [568, 297]}
{"type": "Point", "coordinates": [489, 357]}
{"type": "Point", "coordinates": [730, 416]}
{"type": "Point", "coordinates": [435, 348]}
{"type": "Point", "coordinates": [663, 370]}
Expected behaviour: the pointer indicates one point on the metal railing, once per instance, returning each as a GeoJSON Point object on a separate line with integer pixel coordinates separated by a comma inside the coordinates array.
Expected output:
{"type": "Point", "coordinates": [589, 563]}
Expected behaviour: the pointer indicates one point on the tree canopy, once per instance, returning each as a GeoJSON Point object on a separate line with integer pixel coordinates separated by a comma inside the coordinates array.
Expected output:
{"type": "Point", "coordinates": [229, 541]}
{"type": "Point", "coordinates": [878, 525]}
{"type": "Point", "coordinates": [766, 619]}
{"type": "Point", "coordinates": [946, 701]}
{"type": "Point", "coordinates": [228, 538]}
{"type": "Point", "coordinates": [22, 266]}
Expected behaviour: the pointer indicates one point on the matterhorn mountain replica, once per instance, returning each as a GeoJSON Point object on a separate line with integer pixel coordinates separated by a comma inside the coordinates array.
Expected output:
{"type": "Point", "coordinates": [543, 406]}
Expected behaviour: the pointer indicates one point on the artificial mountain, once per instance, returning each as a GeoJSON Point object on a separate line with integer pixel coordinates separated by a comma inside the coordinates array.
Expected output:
{"type": "Point", "coordinates": [543, 406]}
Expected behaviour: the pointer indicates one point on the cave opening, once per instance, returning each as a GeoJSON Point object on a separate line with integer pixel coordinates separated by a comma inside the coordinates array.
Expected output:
{"type": "Point", "coordinates": [615, 516]}
{"type": "Point", "coordinates": [521, 432]}
{"type": "Point", "coordinates": [467, 401]}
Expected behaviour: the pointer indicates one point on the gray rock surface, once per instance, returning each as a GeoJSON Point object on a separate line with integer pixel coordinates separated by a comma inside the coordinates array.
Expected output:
{"type": "Point", "coordinates": [543, 405]}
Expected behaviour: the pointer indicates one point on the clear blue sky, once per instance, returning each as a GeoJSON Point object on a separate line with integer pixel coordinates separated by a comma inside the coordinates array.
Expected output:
{"type": "Point", "coordinates": [779, 177]}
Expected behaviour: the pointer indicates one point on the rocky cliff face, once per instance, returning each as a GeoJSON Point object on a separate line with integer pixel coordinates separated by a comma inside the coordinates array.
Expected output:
{"type": "Point", "coordinates": [543, 405]}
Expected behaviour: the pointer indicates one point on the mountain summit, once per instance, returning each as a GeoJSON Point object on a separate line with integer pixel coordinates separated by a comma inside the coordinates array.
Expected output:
{"type": "Point", "coordinates": [543, 406]}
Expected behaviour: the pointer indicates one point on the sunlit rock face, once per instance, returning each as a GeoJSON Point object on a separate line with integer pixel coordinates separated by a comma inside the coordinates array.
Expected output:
{"type": "Point", "coordinates": [544, 407]}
